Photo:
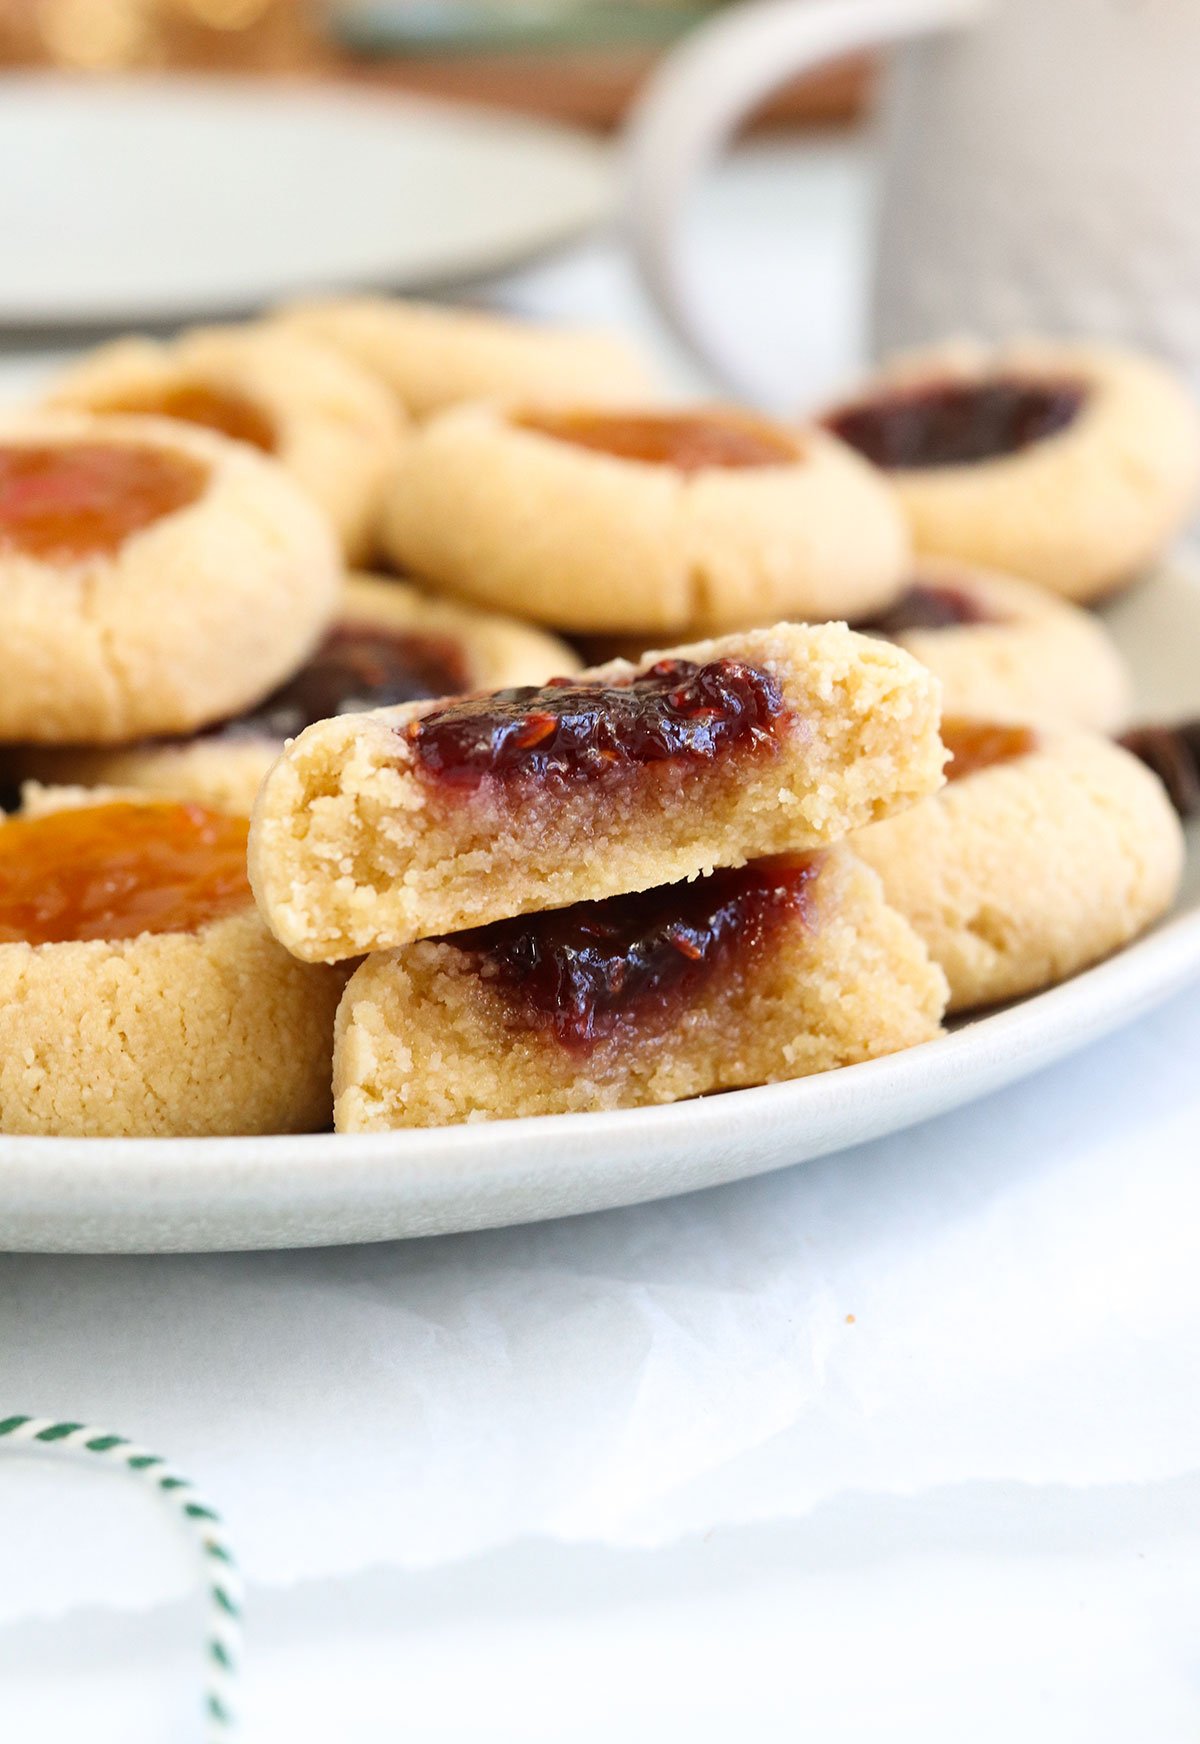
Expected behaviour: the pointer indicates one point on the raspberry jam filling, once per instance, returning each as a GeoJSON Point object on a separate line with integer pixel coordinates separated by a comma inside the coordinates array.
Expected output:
{"type": "Point", "coordinates": [222, 409]}
{"type": "Point", "coordinates": [114, 871]}
{"type": "Point", "coordinates": [975, 745]}
{"type": "Point", "coordinates": [677, 711]}
{"type": "Point", "coordinates": [72, 500]}
{"type": "Point", "coordinates": [687, 441]}
{"type": "Point", "coordinates": [1173, 753]}
{"type": "Point", "coordinates": [357, 667]}
{"type": "Point", "coordinates": [583, 973]}
{"type": "Point", "coordinates": [953, 423]}
{"type": "Point", "coordinates": [927, 606]}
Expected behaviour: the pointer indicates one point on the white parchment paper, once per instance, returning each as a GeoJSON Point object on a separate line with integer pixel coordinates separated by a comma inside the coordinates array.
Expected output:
{"type": "Point", "coordinates": [1011, 1292]}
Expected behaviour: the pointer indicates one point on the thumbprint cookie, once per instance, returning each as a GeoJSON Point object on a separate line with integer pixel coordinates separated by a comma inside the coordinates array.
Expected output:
{"type": "Point", "coordinates": [431, 356]}
{"type": "Point", "coordinates": [144, 995]}
{"type": "Point", "coordinates": [774, 970]}
{"type": "Point", "coordinates": [706, 519]}
{"type": "Point", "coordinates": [153, 577]}
{"type": "Point", "coordinates": [1071, 464]}
{"type": "Point", "coordinates": [1047, 850]}
{"type": "Point", "coordinates": [376, 829]}
{"type": "Point", "coordinates": [1006, 649]}
{"type": "Point", "coordinates": [328, 422]}
{"type": "Point", "coordinates": [388, 645]}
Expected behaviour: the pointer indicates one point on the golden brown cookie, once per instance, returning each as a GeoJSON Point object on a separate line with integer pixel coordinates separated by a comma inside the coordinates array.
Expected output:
{"type": "Point", "coordinates": [777, 970]}
{"type": "Point", "coordinates": [143, 995]}
{"type": "Point", "coordinates": [1071, 464]}
{"type": "Point", "coordinates": [707, 519]}
{"type": "Point", "coordinates": [432, 356]}
{"type": "Point", "coordinates": [329, 423]}
{"type": "Point", "coordinates": [153, 577]}
{"type": "Point", "coordinates": [376, 829]}
{"type": "Point", "coordinates": [1046, 851]}
{"type": "Point", "coordinates": [389, 644]}
{"type": "Point", "coordinates": [1007, 650]}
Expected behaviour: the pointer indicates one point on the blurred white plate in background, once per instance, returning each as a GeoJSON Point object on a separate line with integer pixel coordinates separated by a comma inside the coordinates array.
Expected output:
{"type": "Point", "coordinates": [168, 199]}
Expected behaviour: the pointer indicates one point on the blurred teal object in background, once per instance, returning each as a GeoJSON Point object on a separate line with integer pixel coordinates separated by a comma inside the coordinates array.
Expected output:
{"type": "Point", "coordinates": [441, 27]}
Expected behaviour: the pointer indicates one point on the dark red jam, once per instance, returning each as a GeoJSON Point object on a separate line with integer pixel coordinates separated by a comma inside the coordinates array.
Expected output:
{"type": "Point", "coordinates": [929, 607]}
{"type": "Point", "coordinates": [1174, 755]}
{"type": "Point", "coordinates": [568, 732]}
{"type": "Point", "coordinates": [956, 423]}
{"type": "Point", "coordinates": [357, 667]}
{"type": "Point", "coordinates": [975, 745]}
{"type": "Point", "coordinates": [581, 973]}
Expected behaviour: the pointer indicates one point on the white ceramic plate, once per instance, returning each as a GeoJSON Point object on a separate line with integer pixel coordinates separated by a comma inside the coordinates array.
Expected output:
{"type": "Point", "coordinates": [99, 1195]}
{"type": "Point", "coordinates": [171, 199]}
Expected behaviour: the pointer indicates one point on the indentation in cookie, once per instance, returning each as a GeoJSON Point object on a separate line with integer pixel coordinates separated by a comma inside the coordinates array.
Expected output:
{"type": "Point", "coordinates": [223, 409]}
{"type": "Point", "coordinates": [1173, 753]}
{"type": "Point", "coordinates": [67, 501]}
{"type": "Point", "coordinates": [357, 667]}
{"type": "Point", "coordinates": [583, 973]}
{"type": "Point", "coordinates": [114, 871]}
{"type": "Point", "coordinates": [957, 423]}
{"type": "Point", "coordinates": [687, 441]}
{"type": "Point", "coordinates": [932, 606]}
{"type": "Point", "coordinates": [975, 745]}
{"type": "Point", "coordinates": [677, 710]}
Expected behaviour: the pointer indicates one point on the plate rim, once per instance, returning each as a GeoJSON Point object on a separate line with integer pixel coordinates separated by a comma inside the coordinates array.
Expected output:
{"type": "Point", "coordinates": [460, 269]}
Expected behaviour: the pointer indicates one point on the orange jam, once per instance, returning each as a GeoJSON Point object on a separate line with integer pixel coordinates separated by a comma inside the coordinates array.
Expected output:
{"type": "Point", "coordinates": [222, 409]}
{"type": "Point", "coordinates": [977, 745]}
{"type": "Point", "coordinates": [71, 500]}
{"type": "Point", "coordinates": [716, 436]}
{"type": "Point", "coordinates": [114, 871]}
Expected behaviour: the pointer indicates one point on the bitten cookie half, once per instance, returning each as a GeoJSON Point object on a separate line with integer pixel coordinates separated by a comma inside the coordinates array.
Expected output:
{"type": "Point", "coordinates": [431, 356]}
{"type": "Point", "coordinates": [144, 996]}
{"type": "Point", "coordinates": [1045, 852]}
{"type": "Point", "coordinates": [389, 644]}
{"type": "Point", "coordinates": [1071, 464]}
{"type": "Point", "coordinates": [376, 829]}
{"type": "Point", "coordinates": [777, 970]}
{"type": "Point", "coordinates": [702, 520]}
{"type": "Point", "coordinates": [153, 577]}
{"type": "Point", "coordinates": [1008, 650]}
{"type": "Point", "coordinates": [329, 423]}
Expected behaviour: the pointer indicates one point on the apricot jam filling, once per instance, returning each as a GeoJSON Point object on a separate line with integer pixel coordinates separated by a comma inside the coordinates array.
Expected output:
{"type": "Point", "coordinates": [687, 441]}
{"type": "Point", "coordinates": [956, 423]}
{"type": "Point", "coordinates": [930, 606]}
{"type": "Point", "coordinates": [975, 745]}
{"type": "Point", "coordinates": [66, 501]}
{"type": "Point", "coordinates": [570, 732]}
{"type": "Point", "coordinates": [114, 871]}
{"type": "Point", "coordinates": [223, 409]}
{"type": "Point", "coordinates": [1173, 753]}
{"type": "Point", "coordinates": [583, 973]}
{"type": "Point", "coordinates": [357, 667]}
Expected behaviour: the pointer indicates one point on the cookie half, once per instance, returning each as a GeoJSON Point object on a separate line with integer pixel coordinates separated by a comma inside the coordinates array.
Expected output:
{"type": "Point", "coordinates": [376, 829]}
{"type": "Point", "coordinates": [773, 971]}
{"type": "Point", "coordinates": [1073, 465]}
{"type": "Point", "coordinates": [1045, 852]}
{"type": "Point", "coordinates": [329, 423]}
{"type": "Point", "coordinates": [1008, 650]}
{"type": "Point", "coordinates": [144, 996]}
{"type": "Point", "coordinates": [431, 356]}
{"type": "Point", "coordinates": [389, 644]}
{"type": "Point", "coordinates": [153, 577]}
{"type": "Point", "coordinates": [707, 520]}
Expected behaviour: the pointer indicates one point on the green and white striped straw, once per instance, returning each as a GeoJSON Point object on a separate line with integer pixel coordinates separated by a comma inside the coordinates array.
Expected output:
{"type": "Point", "coordinates": [224, 1583]}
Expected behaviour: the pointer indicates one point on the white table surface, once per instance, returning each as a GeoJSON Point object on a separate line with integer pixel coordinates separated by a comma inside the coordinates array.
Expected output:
{"type": "Point", "coordinates": [904, 1444]}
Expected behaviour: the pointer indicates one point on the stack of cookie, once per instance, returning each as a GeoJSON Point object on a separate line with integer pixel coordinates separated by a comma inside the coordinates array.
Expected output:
{"type": "Point", "coordinates": [724, 864]}
{"type": "Point", "coordinates": [532, 874]}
